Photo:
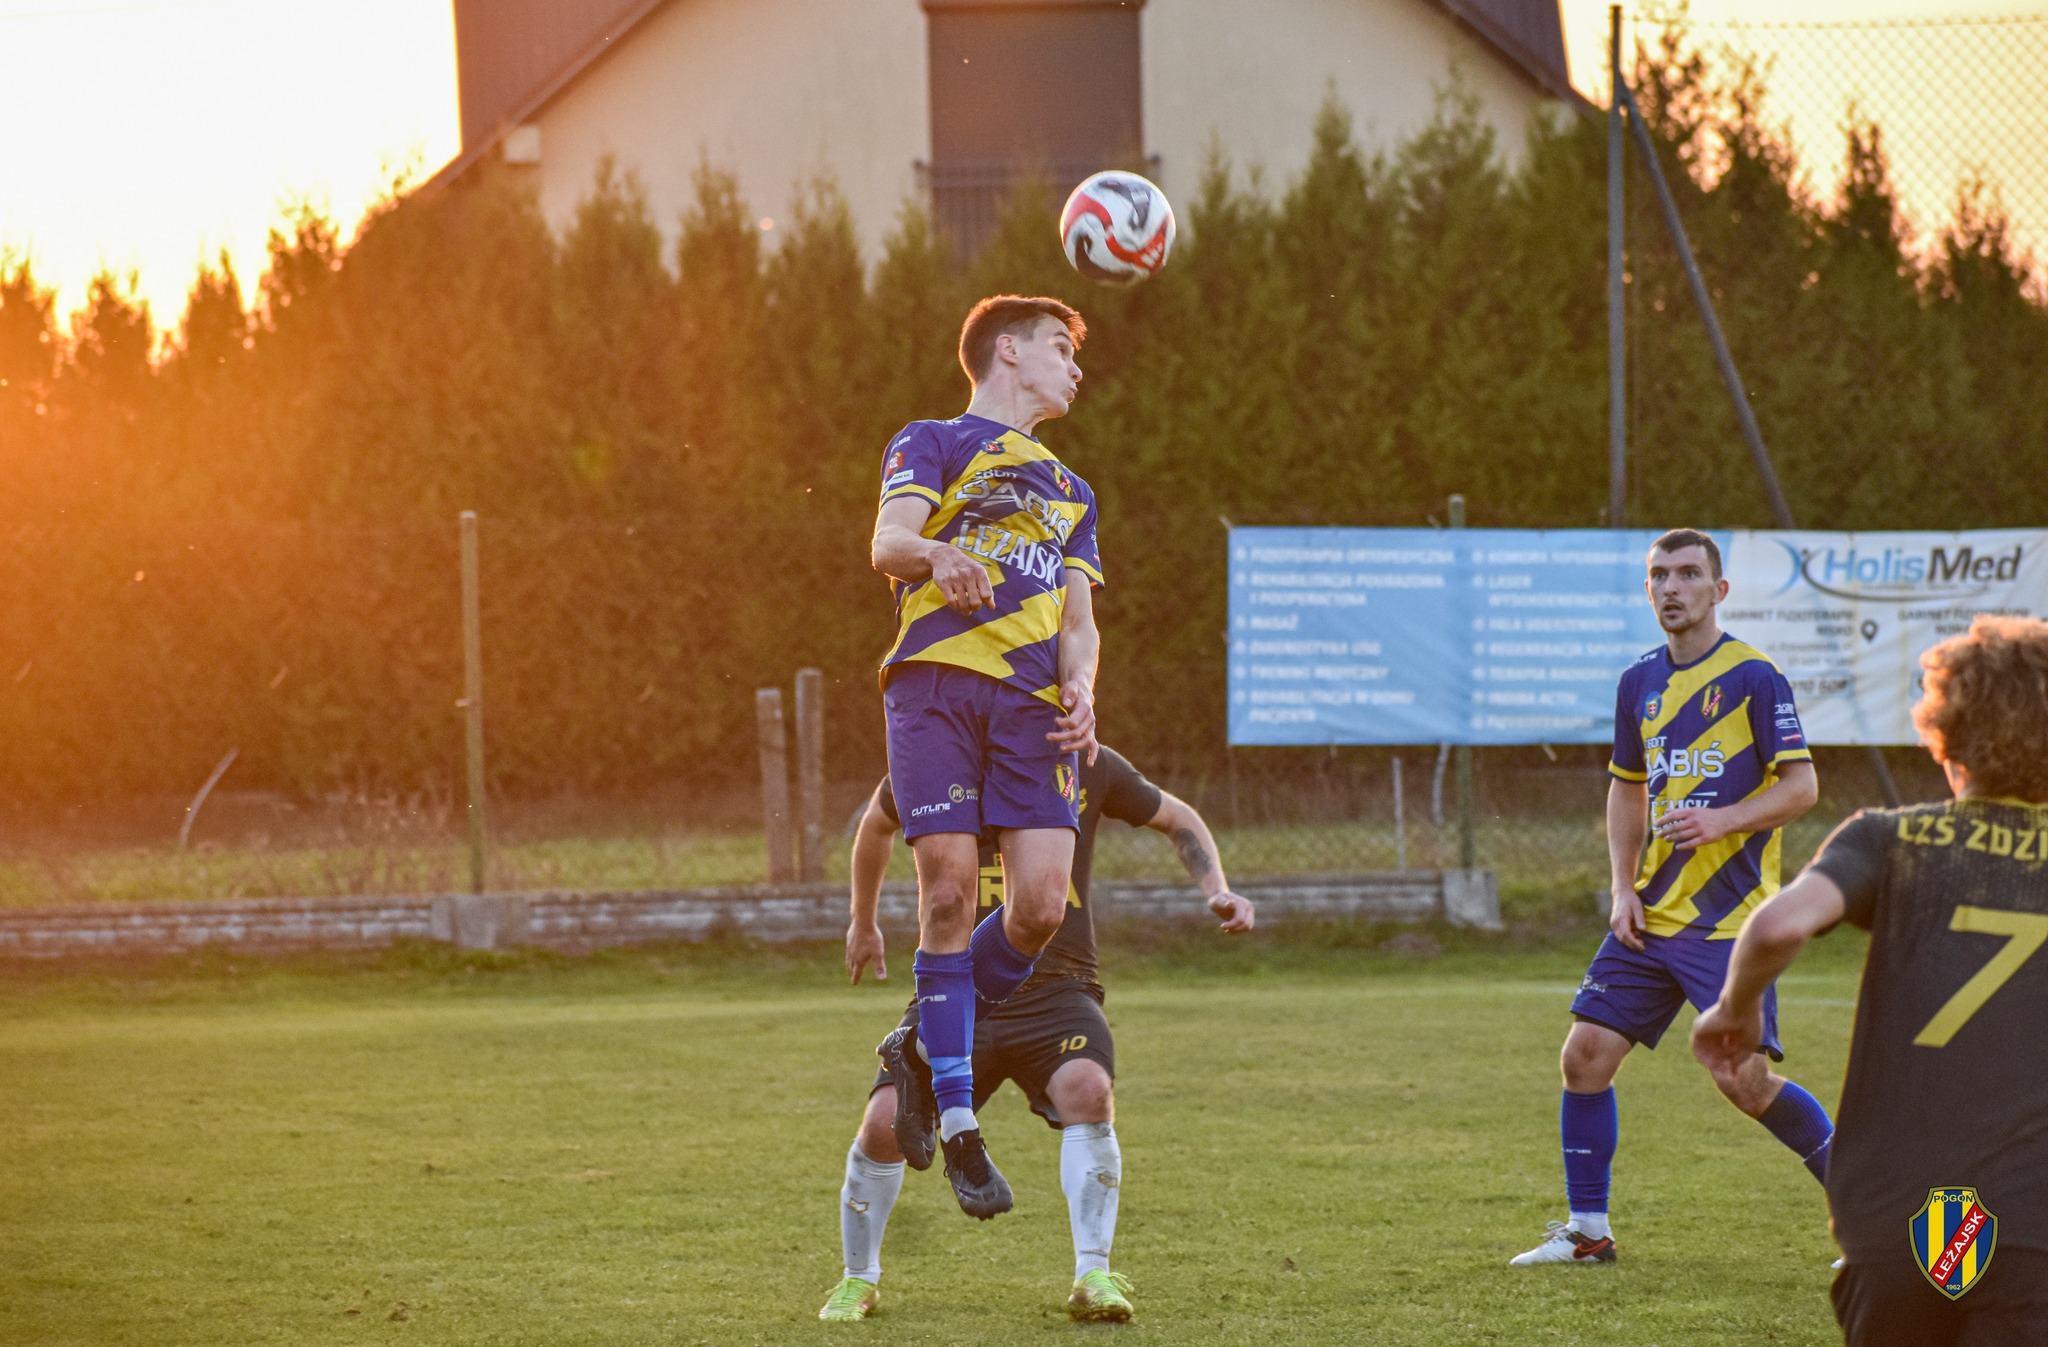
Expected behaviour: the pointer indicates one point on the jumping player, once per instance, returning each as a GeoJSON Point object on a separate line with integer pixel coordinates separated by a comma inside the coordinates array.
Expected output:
{"type": "Point", "coordinates": [1938, 1183]}
{"type": "Point", "coordinates": [1051, 1038]}
{"type": "Point", "coordinates": [989, 689]}
{"type": "Point", "coordinates": [1709, 762]}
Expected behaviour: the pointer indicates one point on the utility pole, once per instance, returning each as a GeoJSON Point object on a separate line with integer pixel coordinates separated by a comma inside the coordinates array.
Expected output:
{"type": "Point", "coordinates": [1617, 332]}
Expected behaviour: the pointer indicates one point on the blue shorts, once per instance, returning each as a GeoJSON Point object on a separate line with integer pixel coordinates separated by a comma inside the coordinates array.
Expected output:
{"type": "Point", "coordinates": [968, 752]}
{"type": "Point", "coordinates": [1638, 995]}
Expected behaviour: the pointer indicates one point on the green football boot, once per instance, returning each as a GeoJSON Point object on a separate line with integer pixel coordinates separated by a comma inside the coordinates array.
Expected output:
{"type": "Point", "coordinates": [850, 1302]}
{"type": "Point", "coordinates": [1100, 1298]}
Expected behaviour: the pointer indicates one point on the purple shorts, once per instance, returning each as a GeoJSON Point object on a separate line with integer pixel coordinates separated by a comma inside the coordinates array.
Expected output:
{"type": "Point", "coordinates": [968, 752]}
{"type": "Point", "coordinates": [1638, 995]}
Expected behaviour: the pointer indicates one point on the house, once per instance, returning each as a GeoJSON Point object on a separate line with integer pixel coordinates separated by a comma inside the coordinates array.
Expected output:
{"type": "Point", "coordinates": [949, 101]}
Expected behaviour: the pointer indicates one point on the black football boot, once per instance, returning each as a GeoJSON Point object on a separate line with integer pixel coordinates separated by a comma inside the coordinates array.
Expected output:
{"type": "Point", "coordinates": [917, 1110]}
{"type": "Point", "coordinates": [981, 1188]}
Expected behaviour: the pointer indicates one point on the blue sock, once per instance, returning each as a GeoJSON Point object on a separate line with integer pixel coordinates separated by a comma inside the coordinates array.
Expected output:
{"type": "Point", "coordinates": [1589, 1126]}
{"type": "Point", "coordinates": [1797, 1119]}
{"type": "Point", "coordinates": [945, 1024]}
{"type": "Point", "coordinates": [999, 968]}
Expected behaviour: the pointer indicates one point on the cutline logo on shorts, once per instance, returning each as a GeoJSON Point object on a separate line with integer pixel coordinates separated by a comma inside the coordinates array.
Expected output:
{"type": "Point", "coordinates": [1063, 780]}
{"type": "Point", "coordinates": [1953, 1236]}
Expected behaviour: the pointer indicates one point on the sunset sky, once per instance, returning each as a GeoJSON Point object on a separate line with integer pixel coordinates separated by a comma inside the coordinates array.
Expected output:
{"type": "Point", "coordinates": [144, 134]}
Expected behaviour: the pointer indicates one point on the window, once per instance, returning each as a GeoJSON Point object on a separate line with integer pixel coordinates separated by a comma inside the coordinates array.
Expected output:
{"type": "Point", "coordinates": [1044, 89]}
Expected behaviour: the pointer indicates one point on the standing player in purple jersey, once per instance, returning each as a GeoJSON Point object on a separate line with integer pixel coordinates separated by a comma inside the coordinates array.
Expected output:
{"type": "Point", "coordinates": [989, 689]}
{"type": "Point", "coordinates": [1709, 763]}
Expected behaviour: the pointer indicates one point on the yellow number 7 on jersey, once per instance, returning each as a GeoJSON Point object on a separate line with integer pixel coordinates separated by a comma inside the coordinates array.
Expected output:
{"type": "Point", "coordinates": [2027, 931]}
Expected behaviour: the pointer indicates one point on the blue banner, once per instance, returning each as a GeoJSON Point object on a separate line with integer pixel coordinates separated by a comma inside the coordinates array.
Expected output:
{"type": "Point", "coordinates": [1422, 636]}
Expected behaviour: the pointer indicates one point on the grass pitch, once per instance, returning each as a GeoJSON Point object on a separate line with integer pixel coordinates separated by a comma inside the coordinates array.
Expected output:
{"type": "Point", "coordinates": [1321, 1144]}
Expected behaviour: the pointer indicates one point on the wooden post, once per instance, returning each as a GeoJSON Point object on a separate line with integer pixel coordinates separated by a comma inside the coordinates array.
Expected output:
{"type": "Point", "coordinates": [473, 698]}
{"type": "Point", "coordinates": [810, 774]}
{"type": "Point", "coordinates": [1400, 820]}
{"type": "Point", "coordinates": [775, 785]}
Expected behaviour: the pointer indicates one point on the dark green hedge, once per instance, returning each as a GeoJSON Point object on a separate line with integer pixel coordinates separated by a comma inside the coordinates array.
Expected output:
{"type": "Point", "coordinates": [247, 537]}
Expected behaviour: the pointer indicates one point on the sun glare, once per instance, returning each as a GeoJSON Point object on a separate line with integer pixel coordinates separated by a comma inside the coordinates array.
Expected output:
{"type": "Point", "coordinates": [144, 135]}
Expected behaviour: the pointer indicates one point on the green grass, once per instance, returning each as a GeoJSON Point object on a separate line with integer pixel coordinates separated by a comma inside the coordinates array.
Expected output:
{"type": "Point", "coordinates": [1544, 864]}
{"type": "Point", "coordinates": [1325, 1141]}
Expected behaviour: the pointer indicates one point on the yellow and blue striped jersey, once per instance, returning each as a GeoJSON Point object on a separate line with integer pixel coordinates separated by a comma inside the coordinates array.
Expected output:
{"type": "Point", "coordinates": [1703, 734]}
{"type": "Point", "coordinates": [1003, 498]}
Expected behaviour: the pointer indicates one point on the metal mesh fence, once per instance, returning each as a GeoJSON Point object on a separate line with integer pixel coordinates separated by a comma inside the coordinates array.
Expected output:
{"type": "Point", "coordinates": [1961, 103]}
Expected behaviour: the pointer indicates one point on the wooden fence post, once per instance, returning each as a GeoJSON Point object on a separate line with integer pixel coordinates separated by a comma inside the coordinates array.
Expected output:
{"type": "Point", "coordinates": [473, 700]}
{"type": "Point", "coordinates": [810, 774]}
{"type": "Point", "coordinates": [775, 785]}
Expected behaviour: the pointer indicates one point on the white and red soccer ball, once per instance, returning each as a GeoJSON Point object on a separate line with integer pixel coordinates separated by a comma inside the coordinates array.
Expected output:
{"type": "Point", "coordinates": [1117, 228]}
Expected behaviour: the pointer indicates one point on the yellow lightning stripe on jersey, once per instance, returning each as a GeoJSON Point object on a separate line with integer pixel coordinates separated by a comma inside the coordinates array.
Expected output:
{"type": "Point", "coordinates": [1686, 682]}
{"type": "Point", "coordinates": [1676, 910]}
{"type": "Point", "coordinates": [970, 649]}
{"type": "Point", "coordinates": [1017, 451]}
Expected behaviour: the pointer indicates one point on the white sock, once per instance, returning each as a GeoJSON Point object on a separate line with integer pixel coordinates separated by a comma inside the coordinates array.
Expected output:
{"type": "Point", "coordinates": [1091, 1175]}
{"type": "Point", "coordinates": [864, 1206]}
{"type": "Point", "coordinates": [954, 1121]}
{"type": "Point", "coordinates": [1591, 1224]}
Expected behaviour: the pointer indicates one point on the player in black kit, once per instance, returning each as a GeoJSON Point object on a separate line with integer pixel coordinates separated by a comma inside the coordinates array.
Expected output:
{"type": "Point", "coordinates": [1938, 1185]}
{"type": "Point", "coordinates": [1050, 1037]}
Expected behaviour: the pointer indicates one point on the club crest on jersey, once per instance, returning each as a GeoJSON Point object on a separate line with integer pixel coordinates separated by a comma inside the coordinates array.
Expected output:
{"type": "Point", "coordinates": [1710, 701]}
{"type": "Point", "coordinates": [895, 462]}
{"type": "Point", "coordinates": [1063, 780]}
{"type": "Point", "coordinates": [1651, 707]}
{"type": "Point", "coordinates": [1953, 1237]}
{"type": "Point", "coordinates": [1064, 482]}
{"type": "Point", "coordinates": [992, 447]}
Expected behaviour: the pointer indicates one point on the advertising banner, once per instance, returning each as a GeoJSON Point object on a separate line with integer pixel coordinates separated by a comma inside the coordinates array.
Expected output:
{"type": "Point", "coordinates": [1847, 615]}
{"type": "Point", "coordinates": [1500, 636]}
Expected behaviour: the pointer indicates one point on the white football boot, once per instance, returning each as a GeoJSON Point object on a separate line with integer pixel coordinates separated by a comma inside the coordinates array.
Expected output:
{"type": "Point", "coordinates": [1562, 1244]}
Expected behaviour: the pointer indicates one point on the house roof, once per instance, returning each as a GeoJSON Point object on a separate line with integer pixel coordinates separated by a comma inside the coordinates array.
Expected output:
{"type": "Point", "coordinates": [514, 56]}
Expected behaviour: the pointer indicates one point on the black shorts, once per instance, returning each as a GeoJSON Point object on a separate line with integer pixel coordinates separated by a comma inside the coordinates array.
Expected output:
{"type": "Point", "coordinates": [1032, 1035]}
{"type": "Point", "coordinates": [1889, 1303]}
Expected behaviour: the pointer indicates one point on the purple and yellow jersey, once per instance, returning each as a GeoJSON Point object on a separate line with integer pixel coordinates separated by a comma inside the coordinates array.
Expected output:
{"type": "Point", "coordinates": [1705, 734]}
{"type": "Point", "coordinates": [1001, 497]}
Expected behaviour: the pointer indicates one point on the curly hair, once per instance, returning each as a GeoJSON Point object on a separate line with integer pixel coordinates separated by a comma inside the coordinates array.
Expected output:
{"type": "Point", "coordinates": [1986, 706]}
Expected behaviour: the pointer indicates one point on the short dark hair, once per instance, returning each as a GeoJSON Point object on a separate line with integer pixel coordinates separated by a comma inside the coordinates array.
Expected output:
{"type": "Point", "coordinates": [1009, 313]}
{"type": "Point", "coordinates": [1985, 705]}
{"type": "Point", "coordinates": [1675, 540]}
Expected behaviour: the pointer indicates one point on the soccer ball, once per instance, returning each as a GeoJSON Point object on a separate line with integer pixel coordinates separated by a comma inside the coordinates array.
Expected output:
{"type": "Point", "coordinates": [1117, 228]}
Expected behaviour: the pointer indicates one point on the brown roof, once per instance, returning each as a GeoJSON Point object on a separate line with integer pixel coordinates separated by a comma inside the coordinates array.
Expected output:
{"type": "Point", "coordinates": [513, 56]}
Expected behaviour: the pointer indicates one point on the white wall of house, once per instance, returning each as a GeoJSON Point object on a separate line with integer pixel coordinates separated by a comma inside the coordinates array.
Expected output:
{"type": "Point", "coordinates": [1252, 77]}
{"type": "Point", "coordinates": [780, 91]}
{"type": "Point", "coordinates": [776, 91]}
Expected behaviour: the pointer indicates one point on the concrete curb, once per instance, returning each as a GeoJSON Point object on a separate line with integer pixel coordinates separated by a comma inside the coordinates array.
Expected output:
{"type": "Point", "coordinates": [582, 920]}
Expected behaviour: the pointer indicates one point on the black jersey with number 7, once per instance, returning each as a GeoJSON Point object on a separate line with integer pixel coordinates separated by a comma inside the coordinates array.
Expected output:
{"type": "Point", "coordinates": [1948, 1069]}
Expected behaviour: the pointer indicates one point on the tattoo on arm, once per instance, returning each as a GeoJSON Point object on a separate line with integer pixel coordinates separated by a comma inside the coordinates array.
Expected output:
{"type": "Point", "coordinates": [1193, 854]}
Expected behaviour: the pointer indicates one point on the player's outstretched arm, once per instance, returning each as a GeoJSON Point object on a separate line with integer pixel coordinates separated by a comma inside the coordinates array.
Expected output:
{"type": "Point", "coordinates": [1196, 847]}
{"type": "Point", "coordinates": [1628, 828]}
{"type": "Point", "coordinates": [1080, 652]}
{"type": "Point", "coordinates": [1727, 1033]}
{"type": "Point", "coordinates": [1796, 790]}
{"type": "Point", "coordinates": [873, 839]}
{"type": "Point", "coordinates": [901, 550]}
